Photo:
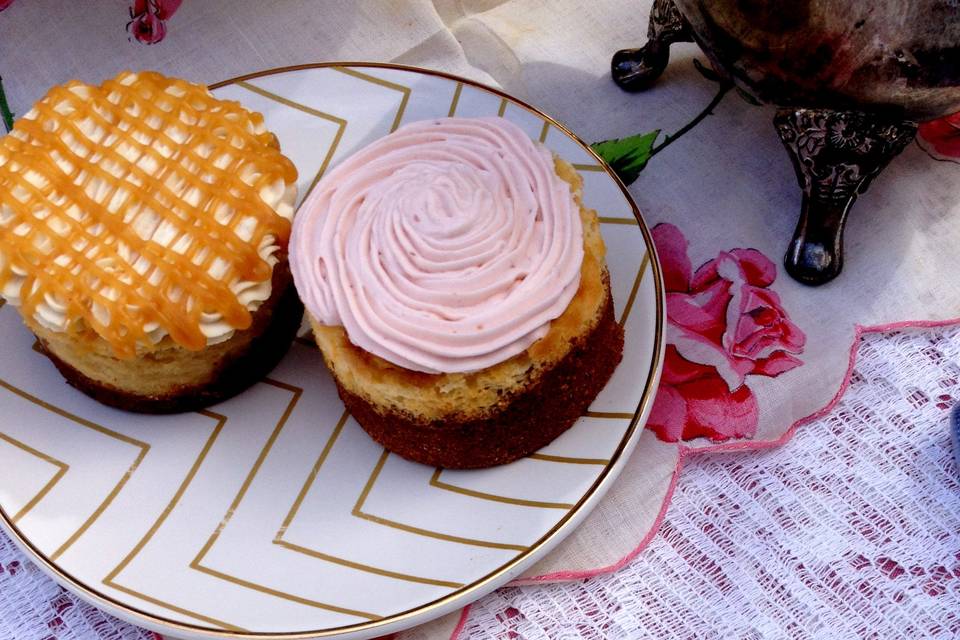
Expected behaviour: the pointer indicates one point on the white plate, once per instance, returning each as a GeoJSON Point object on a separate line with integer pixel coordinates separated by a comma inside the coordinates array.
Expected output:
{"type": "Point", "coordinates": [273, 513]}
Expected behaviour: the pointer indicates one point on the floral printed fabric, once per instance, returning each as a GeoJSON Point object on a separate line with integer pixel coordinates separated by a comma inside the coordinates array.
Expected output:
{"type": "Point", "coordinates": [148, 19]}
{"type": "Point", "coordinates": [725, 323]}
{"type": "Point", "coordinates": [941, 138]}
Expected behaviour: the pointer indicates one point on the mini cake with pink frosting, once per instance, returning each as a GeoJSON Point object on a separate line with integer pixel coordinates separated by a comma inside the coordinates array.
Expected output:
{"type": "Point", "coordinates": [457, 289]}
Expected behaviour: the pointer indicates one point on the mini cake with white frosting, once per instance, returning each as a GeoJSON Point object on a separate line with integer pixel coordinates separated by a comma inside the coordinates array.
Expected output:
{"type": "Point", "coordinates": [143, 238]}
{"type": "Point", "coordinates": [458, 291]}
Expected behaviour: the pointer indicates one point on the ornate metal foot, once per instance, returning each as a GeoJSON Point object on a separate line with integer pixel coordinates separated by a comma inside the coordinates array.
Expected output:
{"type": "Point", "coordinates": [835, 154]}
{"type": "Point", "coordinates": [637, 69]}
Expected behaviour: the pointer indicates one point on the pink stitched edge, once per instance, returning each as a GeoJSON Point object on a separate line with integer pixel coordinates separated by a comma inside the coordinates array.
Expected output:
{"type": "Point", "coordinates": [858, 332]}
{"type": "Point", "coordinates": [563, 576]}
{"type": "Point", "coordinates": [461, 624]}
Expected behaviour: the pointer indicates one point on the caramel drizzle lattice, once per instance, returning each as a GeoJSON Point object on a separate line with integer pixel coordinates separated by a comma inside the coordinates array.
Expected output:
{"type": "Point", "coordinates": [71, 226]}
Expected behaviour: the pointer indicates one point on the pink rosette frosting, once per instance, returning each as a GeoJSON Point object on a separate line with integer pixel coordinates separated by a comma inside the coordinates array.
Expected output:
{"type": "Point", "coordinates": [447, 246]}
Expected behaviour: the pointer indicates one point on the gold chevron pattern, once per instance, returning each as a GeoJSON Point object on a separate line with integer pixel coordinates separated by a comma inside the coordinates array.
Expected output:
{"type": "Point", "coordinates": [273, 512]}
{"type": "Point", "coordinates": [62, 468]}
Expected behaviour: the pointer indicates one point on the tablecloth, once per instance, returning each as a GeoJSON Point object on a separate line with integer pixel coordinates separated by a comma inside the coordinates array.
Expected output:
{"type": "Point", "coordinates": [554, 54]}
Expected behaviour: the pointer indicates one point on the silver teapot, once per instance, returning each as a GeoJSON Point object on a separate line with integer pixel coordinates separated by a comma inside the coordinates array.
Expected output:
{"type": "Point", "coordinates": [851, 81]}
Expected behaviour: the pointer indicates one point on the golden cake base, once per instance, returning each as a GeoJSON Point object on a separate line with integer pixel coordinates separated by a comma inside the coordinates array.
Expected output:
{"type": "Point", "coordinates": [526, 422]}
{"type": "Point", "coordinates": [172, 379]}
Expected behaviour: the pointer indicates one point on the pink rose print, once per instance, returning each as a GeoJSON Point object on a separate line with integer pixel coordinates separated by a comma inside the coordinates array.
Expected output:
{"type": "Point", "coordinates": [5, 3]}
{"type": "Point", "coordinates": [941, 138]}
{"type": "Point", "coordinates": [148, 19]}
{"type": "Point", "coordinates": [724, 323]}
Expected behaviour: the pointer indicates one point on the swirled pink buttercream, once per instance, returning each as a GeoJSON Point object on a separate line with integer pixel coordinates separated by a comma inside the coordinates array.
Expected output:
{"type": "Point", "coordinates": [447, 246]}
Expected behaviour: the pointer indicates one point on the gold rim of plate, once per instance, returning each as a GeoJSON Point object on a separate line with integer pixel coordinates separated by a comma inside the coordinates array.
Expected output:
{"type": "Point", "coordinates": [464, 593]}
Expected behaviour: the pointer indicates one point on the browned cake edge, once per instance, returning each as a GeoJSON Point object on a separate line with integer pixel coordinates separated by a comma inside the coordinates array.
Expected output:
{"type": "Point", "coordinates": [234, 374]}
{"type": "Point", "coordinates": [531, 421]}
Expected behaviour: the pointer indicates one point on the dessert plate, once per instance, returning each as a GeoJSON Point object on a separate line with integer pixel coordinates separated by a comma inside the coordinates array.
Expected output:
{"type": "Point", "coordinates": [273, 515]}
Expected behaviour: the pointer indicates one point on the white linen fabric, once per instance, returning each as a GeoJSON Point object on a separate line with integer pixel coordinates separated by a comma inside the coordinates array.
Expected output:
{"type": "Point", "coordinates": [726, 184]}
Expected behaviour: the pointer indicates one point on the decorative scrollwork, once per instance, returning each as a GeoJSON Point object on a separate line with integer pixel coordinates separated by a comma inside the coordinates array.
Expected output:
{"type": "Point", "coordinates": [667, 24]}
{"type": "Point", "coordinates": [837, 153]}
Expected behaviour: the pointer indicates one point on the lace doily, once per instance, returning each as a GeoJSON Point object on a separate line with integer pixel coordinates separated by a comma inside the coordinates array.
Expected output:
{"type": "Point", "coordinates": [850, 530]}
{"type": "Point", "coordinates": [34, 607]}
